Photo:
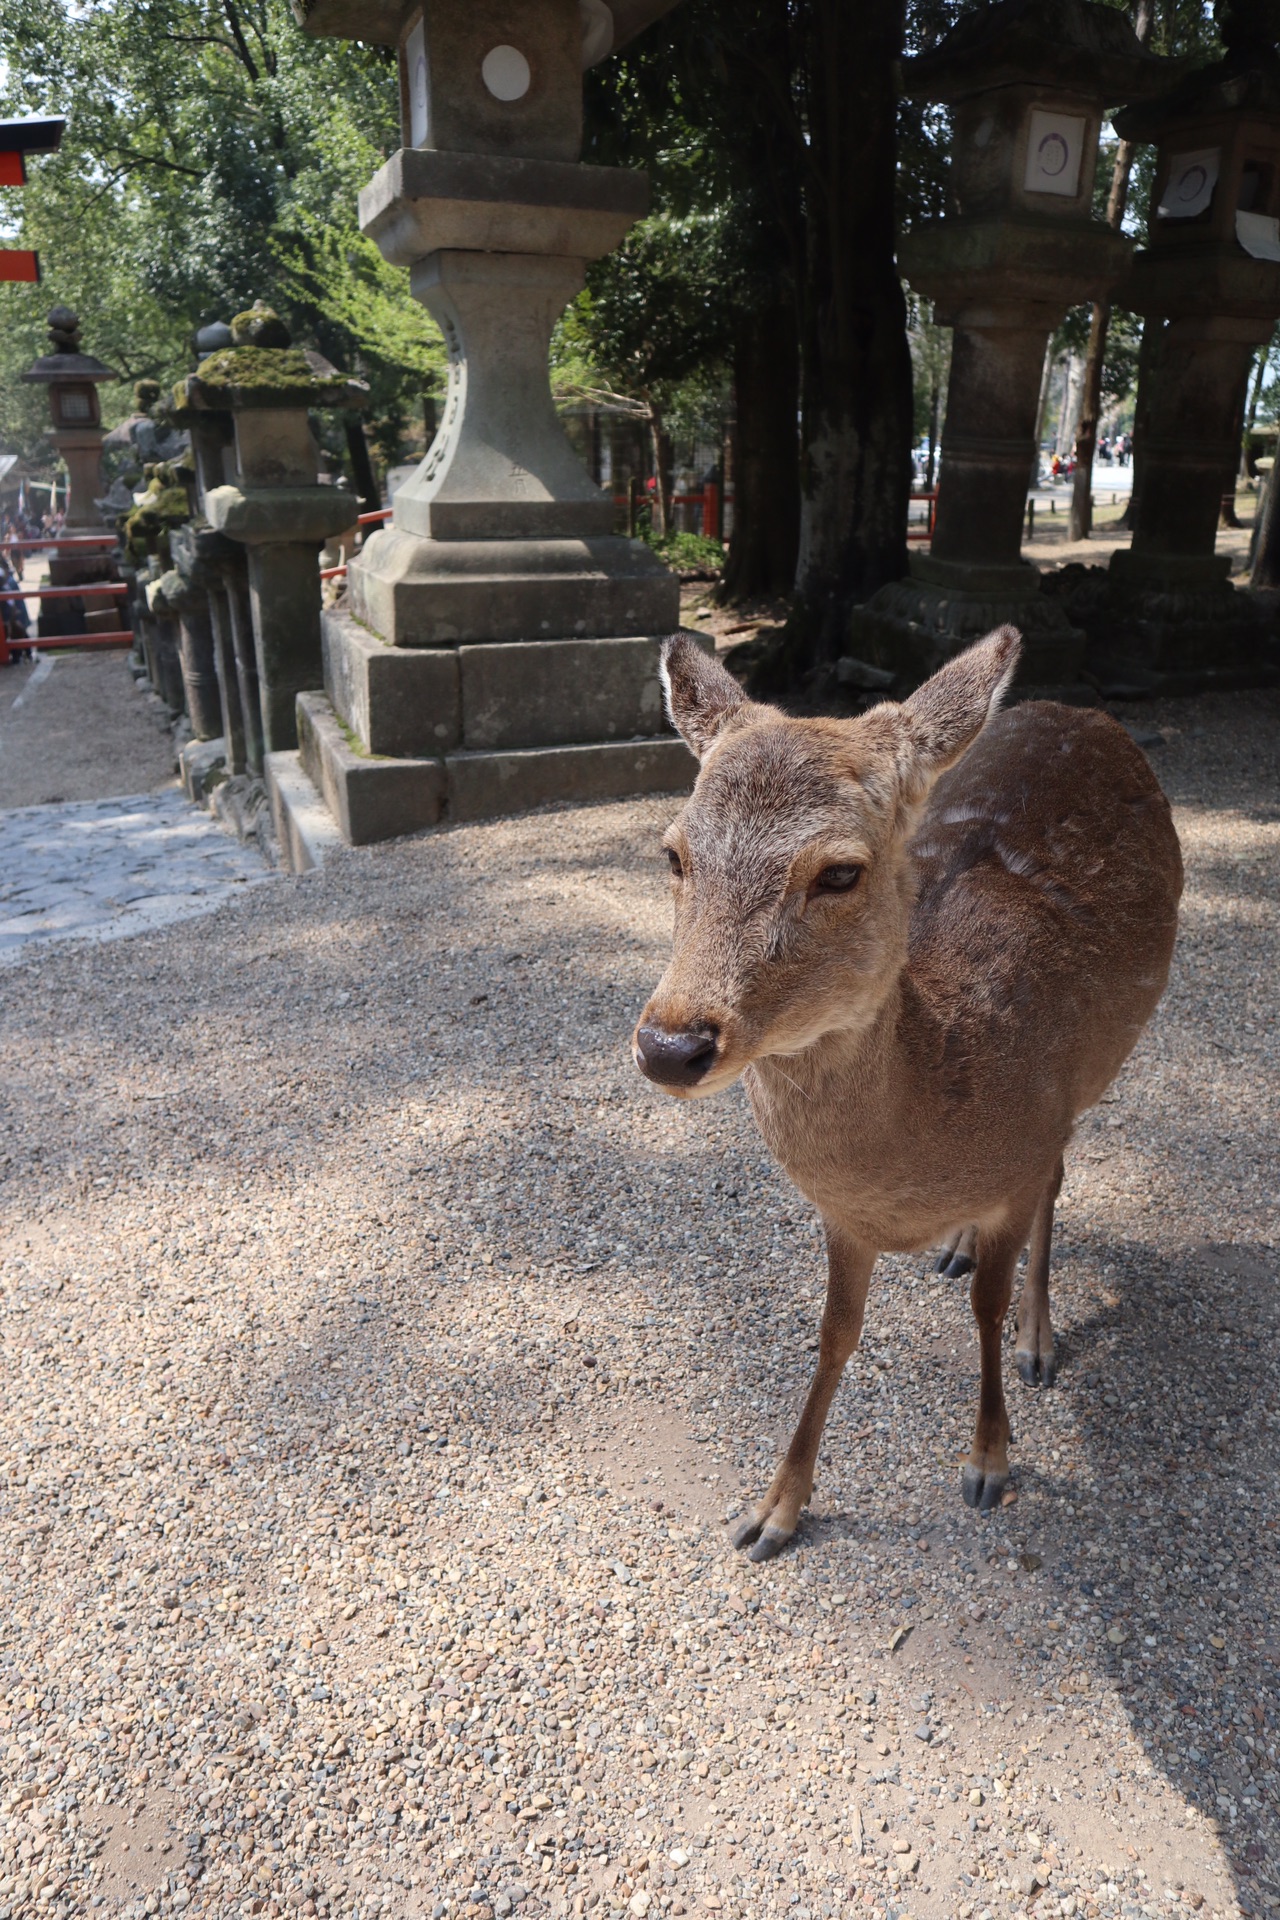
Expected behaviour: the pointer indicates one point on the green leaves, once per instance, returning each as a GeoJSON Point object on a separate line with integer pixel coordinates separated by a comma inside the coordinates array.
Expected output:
{"type": "Point", "coordinates": [213, 155]}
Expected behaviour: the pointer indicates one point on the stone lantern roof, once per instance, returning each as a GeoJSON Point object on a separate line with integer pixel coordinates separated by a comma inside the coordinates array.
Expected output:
{"type": "Point", "coordinates": [262, 368]}
{"type": "Point", "coordinates": [1243, 89]}
{"type": "Point", "coordinates": [1069, 45]}
{"type": "Point", "coordinates": [66, 362]}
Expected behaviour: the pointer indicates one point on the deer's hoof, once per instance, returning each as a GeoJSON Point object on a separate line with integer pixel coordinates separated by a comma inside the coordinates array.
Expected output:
{"type": "Point", "coordinates": [1037, 1369]}
{"type": "Point", "coordinates": [761, 1539]}
{"type": "Point", "coordinates": [982, 1490]}
{"type": "Point", "coordinates": [747, 1531]}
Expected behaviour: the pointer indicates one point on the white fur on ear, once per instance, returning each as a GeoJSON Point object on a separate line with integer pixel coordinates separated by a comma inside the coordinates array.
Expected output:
{"type": "Point", "coordinates": [664, 678]}
{"type": "Point", "coordinates": [701, 698]}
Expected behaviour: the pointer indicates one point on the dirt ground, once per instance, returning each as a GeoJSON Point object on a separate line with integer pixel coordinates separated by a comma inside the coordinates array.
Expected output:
{"type": "Point", "coordinates": [73, 727]}
{"type": "Point", "coordinates": [383, 1360]}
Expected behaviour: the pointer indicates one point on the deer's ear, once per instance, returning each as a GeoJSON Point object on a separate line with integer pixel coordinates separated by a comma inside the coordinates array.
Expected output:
{"type": "Point", "coordinates": [702, 699]}
{"type": "Point", "coordinates": [946, 715]}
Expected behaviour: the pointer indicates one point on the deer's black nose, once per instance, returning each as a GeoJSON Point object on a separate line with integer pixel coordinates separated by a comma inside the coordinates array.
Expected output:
{"type": "Point", "coordinates": [675, 1059]}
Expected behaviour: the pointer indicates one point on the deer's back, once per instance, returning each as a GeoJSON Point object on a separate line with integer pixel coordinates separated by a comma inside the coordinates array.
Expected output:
{"type": "Point", "coordinates": [1049, 877]}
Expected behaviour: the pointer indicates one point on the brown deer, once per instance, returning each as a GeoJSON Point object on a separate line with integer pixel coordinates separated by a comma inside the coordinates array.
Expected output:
{"type": "Point", "coordinates": [927, 939]}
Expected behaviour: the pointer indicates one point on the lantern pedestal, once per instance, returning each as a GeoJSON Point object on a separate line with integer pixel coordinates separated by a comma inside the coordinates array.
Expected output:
{"type": "Point", "coordinates": [499, 644]}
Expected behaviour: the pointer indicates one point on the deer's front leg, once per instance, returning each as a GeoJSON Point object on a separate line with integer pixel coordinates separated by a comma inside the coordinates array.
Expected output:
{"type": "Point", "coordinates": [766, 1529]}
{"type": "Point", "coordinates": [986, 1475]}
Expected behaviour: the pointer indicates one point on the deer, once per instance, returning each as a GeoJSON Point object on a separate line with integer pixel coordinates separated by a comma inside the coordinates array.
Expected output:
{"type": "Point", "coordinates": [926, 939]}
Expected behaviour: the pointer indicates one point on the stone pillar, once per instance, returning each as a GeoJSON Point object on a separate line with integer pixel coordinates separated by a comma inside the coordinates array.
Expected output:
{"type": "Point", "coordinates": [1209, 279]}
{"type": "Point", "coordinates": [499, 644]}
{"type": "Point", "coordinates": [272, 503]}
{"type": "Point", "coordinates": [1017, 247]}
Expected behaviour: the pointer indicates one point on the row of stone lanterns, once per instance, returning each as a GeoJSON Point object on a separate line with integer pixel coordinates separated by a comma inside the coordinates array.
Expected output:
{"type": "Point", "coordinates": [1027, 81]}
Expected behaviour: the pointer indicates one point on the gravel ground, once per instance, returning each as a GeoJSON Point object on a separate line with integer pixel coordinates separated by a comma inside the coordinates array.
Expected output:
{"type": "Point", "coordinates": [69, 724]}
{"type": "Point", "coordinates": [383, 1356]}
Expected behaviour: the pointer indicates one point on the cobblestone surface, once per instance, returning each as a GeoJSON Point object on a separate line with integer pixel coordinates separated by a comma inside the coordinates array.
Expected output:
{"type": "Point", "coordinates": [106, 869]}
{"type": "Point", "coordinates": [382, 1358]}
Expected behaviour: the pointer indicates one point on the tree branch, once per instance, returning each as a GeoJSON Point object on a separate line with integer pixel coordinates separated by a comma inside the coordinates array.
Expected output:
{"type": "Point", "coordinates": [237, 34]}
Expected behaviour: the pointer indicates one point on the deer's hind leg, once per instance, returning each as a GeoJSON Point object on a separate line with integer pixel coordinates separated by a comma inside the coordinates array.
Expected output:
{"type": "Point", "coordinates": [959, 1256]}
{"type": "Point", "coordinates": [1034, 1354]}
{"type": "Point", "coordinates": [765, 1529]}
{"type": "Point", "coordinates": [986, 1473]}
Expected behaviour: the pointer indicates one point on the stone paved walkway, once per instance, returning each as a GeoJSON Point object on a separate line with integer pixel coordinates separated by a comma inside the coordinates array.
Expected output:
{"type": "Point", "coordinates": [103, 869]}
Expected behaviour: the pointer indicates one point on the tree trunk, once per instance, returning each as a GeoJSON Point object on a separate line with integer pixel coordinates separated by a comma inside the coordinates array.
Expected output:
{"type": "Point", "coordinates": [362, 465]}
{"type": "Point", "coordinates": [1046, 381]}
{"type": "Point", "coordinates": [766, 501]}
{"type": "Point", "coordinates": [1091, 401]}
{"type": "Point", "coordinates": [935, 419]}
{"type": "Point", "coordinates": [855, 473]}
{"type": "Point", "coordinates": [661, 516]}
{"type": "Point", "coordinates": [1266, 559]}
{"type": "Point", "coordinates": [1070, 406]}
{"type": "Point", "coordinates": [1148, 360]}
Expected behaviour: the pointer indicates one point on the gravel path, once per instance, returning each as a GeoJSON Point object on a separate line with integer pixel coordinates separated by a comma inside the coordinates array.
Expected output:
{"type": "Point", "coordinates": [382, 1357]}
{"type": "Point", "coordinates": [69, 722]}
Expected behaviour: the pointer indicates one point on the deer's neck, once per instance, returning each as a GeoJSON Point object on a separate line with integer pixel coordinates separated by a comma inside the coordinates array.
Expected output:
{"type": "Point", "coordinates": [836, 1106]}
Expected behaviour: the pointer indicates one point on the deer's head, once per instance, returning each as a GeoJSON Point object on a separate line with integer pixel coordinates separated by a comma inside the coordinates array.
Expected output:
{"type": "Point", "coordinates": [790, 864]}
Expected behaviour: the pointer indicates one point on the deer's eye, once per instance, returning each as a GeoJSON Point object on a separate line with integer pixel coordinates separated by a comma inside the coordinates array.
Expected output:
{"type": "Point", "coordinates": [677, 866]}
{"type": "Point", "coordinates": [837, 880]}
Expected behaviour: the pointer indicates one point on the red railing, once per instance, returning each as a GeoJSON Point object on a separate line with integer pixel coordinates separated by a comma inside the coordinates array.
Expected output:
{"type": "Point", "coordinates": [88, 590]}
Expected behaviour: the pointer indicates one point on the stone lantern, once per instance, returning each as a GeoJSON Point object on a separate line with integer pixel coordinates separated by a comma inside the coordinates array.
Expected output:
{"type": "Point", "coordinates": [1027, 82]}
{"type": "Point", "coordinates": [1209, 281]}
{"type": "Point", "coordinates": [269, 498]}
{"type": "Point", "coordinates": [503, 649]}
{"type": "Point", "coordinates": [73, 379]}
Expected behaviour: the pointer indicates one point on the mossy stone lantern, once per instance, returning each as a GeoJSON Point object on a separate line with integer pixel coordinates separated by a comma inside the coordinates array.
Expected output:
{"type": "Point", "coordinates": [270, 499]}
{"type": "Point", "coordinates": [1208, 282]}
{"type": "Point", "coordinates": [1028, 83]}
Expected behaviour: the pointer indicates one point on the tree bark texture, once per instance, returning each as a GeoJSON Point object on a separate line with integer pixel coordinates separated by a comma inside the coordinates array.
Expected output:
{"type": "Point", "coordinates": [766, 498]}
{"type": "Point", "coordinates": [1091, 402]}
{"type": "Point", "coordinates": [1266, 559]}
{"type": "Point", "coordinates": [857, 388]}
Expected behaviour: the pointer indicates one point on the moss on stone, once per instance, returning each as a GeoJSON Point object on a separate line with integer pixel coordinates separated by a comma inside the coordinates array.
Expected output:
{"type": "Point", "coordinates": [262, 377]}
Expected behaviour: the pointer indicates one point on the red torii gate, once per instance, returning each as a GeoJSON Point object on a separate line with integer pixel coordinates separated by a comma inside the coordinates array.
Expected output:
{"type": "Point", "coordinates": [17, 139]}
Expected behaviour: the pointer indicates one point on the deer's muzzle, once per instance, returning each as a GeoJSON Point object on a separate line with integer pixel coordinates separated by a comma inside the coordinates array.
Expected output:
{"type": "Point", "coordinates": [676, 1059]}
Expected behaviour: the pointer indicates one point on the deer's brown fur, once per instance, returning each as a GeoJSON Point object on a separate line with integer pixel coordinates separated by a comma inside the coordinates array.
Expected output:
{"type": "Point", "coordinates": [918, 1044]}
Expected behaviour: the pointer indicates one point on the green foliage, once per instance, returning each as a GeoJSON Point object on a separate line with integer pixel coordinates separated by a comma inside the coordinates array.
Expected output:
{"type": "Point", "coordinates": [686, 553]}
{"type": "Point", "coordinates": [656, 313]}
{"type": "Point", "coordinates": [213, 156]}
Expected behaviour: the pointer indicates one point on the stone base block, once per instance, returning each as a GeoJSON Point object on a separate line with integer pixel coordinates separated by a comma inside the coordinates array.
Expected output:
{"type": "Point", "coordinates": [370, 797]}
{"type": "Point", "coordinates": [484, 786]}
{"type": "Point", "coordinates": [430, 593]}
{"type": "Point", "coordinates": [509, 694]}
{"type": "Point", "coordinates": [202, 766]}
{"type": "Point", "coordinates": [1191, 633]}
{"type": "Point", "coordinates": [373, 798]}
{"type": "Point", "coordinates": [911, 627]}
{"type": "Point", "coordinates": [306, 833]}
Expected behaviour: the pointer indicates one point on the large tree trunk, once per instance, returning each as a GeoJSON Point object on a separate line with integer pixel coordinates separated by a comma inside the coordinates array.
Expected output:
{"type": "Point", "coordinates": [1148, 360]}
{"type": "Point", "coordinates": [1091, 400]}
{"type": "Point", "coordinates": [855, 472]}
{"type": "Point", "coordinates": [766, 498]}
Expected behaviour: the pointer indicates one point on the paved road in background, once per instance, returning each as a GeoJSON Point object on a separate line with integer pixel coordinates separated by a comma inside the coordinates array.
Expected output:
{"type": "Point", "coordinates": [76, 859]}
